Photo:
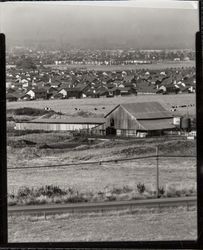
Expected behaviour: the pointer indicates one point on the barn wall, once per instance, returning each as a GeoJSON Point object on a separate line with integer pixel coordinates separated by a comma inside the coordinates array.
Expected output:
{"type": "Point", "coordinates": [53, 126]}
{"type": "Point", "coordinates": [122, 120]}
{"type": "Point", "coordinates": [99, 130]}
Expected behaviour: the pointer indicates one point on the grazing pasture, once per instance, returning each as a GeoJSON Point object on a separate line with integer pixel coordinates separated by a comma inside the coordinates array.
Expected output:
{"type": "Point", "coordinates": [101, 106]}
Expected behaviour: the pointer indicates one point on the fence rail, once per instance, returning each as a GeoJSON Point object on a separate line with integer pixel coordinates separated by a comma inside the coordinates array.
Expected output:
{"type": "Point", "coordinates": [104, 206]}
{"type": "Point", "coordinates": [102, 161]}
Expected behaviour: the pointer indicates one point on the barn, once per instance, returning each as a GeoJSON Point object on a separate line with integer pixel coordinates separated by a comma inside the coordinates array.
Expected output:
{"type": "Point", "coordinates": [129, 119]}
{"type": "Point", "coordinates": [137, 119]}
{"type": "Point", "coordinates": [57, 124]}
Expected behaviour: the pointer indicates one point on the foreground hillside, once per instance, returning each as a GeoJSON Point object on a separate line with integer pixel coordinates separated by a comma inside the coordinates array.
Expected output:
{"type": "Point", "coordinates": [148, 224]}
{"type": "Point", "coordinates": [25, 151]}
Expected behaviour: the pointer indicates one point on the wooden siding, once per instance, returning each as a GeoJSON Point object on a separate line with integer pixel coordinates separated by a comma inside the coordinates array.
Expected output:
{"type": "Point", "coordinates": [99, 129]}
{"type": "Point", "coordinates": [53, 127]}
{"type": "Point", "coordinates": [127, 133]}
{"type": "Point", "coordinates": [122, 120]}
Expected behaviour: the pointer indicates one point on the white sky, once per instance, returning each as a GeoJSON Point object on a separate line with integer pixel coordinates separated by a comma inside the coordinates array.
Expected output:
{"type": "Point", "coordinates": [137, 22]}
{"type": "Point", "coordinates": [129, 3]}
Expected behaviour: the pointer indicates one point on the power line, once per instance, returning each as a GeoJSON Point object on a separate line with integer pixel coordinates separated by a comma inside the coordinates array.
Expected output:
{"type": "Point", "coordinates": [100, 162]}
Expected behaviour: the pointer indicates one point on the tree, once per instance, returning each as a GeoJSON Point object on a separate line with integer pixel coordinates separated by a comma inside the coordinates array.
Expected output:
{"type": "Point", "coordinates": [26, 63]}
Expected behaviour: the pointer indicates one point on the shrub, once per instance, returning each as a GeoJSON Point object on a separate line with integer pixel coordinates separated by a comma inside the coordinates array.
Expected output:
{"type": "Point", "coordinates": [161, 191]}
{"type": "Point", "coordinates": [111, 198]}
{"type": "Point", "coordinates": [53, 194]}
{"type": "Point", "coordinates": [24, 192]}
{"type": "Point", "coordinates": [77, 198]}
{"type": "Point", "coordinates": [50, 191]}
{"type": "Point", "coordinates": [123, 190]}
{"type": "Point", "coordinates": [12, 200]}
{"type": "Point", "coordinates": [28, 111]}
{"type": "Point", "coordinates": [42, 199]}
{"type": "Point", "coordinates": [116, 190]}
{"type": "Point", "coordinates": [127, 189]}
{"type": "Point", "coordinates": [141, 188]}
{"type": "Point", "coordinates": [84, 113]}
{"type": "Point", "coordinates": [29, 201]}
{"type": "Point", "coordinates": [57, 199]}
{"type": "Point", "coordinates": [31, 111]}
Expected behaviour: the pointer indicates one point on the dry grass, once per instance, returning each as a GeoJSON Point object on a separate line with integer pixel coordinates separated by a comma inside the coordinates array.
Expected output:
{"type": "Point", "coordinates": [95, 177]}
{"type": "Point", "coordinates": [105, 105]}
{"type": "Point", "coordinates": [54, 194]}
{"type": "Point", "coordinates": [146, 224]}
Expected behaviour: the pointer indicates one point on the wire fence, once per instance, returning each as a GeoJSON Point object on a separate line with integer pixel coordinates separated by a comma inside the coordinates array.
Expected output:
{"type": "Point", "coordinates": [156, 156]}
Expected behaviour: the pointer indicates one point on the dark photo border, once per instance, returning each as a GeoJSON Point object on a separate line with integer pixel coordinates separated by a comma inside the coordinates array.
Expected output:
{"type": "Point", "coordinates": [196, 244]}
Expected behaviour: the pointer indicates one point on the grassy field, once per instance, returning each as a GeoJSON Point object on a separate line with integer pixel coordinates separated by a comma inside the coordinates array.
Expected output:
{"type": "Point", "coordinates": [101, 106]}
{"type": "Point", "coordinates": [24, 150]}
{"type": "Point", "coordinates": [169, 224]}
{"type": "Point", "coordinates": [154, 66]}
{"type": "Point", "coordinates": [96, 177]}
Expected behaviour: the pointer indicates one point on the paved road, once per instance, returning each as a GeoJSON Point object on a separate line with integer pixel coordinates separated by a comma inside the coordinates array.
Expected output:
{"type": "Point", "coordinates": [90, 207]}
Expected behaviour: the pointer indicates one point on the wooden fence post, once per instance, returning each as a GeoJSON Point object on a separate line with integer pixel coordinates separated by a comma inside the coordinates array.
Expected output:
{"type": "Point", "coordinates": [157, 172]}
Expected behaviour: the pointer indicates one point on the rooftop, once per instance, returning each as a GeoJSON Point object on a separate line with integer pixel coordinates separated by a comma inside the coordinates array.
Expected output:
{"type": "Point", "coordinates": [159, 124]}
{"type": "Point", "coordinates": [147, 110]}
{"type": "Point", "coordinates": [69, 120]}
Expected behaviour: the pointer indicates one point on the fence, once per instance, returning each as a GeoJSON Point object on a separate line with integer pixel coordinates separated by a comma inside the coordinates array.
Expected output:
{"type": "Point", "coordinates": [156, 156]}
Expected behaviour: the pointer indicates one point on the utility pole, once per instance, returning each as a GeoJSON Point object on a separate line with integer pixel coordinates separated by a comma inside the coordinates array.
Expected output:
{"type": "Point", "coordinates": [157, 172]}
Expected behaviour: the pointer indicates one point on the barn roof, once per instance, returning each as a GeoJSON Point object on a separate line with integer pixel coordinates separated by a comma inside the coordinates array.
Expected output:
{"type": "Point", "coordinates": [147, 110]}
{"type": "Point", "coordinates": [159, 124]}
{"type": "Point", "coordinates": [71, 120]}
{"type": "Point", "coordinates": [144, 110]}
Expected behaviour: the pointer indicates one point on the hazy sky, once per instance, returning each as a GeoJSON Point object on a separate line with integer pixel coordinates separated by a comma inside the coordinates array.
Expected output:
{"type": "Point", "coordinates": [137, 24]}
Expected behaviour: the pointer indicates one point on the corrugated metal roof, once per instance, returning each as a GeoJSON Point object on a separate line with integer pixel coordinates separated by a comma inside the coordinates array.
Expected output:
{"type": "Point", "coordinates": [147, 110]}
{"type": "Point", "coordinates": [157, 124]}
{"type": "Point", "coordinates": [71, 120]}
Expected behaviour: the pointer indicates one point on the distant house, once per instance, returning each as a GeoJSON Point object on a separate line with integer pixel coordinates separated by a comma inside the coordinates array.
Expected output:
{"type": "Point", "coordinates": [116, 91]}
{"type": "Point", "coordinates": [12, 97]}
{"type": "Point", "coordinates": [129, 78]}
{"type": "Point", "coordinates": [73, 92]}
{"type": "Point", "coordinates": [10, 90]}
{"type": "Point", "coordinates": [30, 93]}
{"type": "Point", "coordinates": [161, 90]}
{"type": "Point", "coordinates": [191, 89]}
{"type": "Point", "coordinates": [51, 92]}
{"type": "Point", "coordinates": [110, 85]}
{"type": "Point", "coordinates": [169, 89]}
{"type": "Point", "coordinates": [127, 91]}
{"type": "Point", "coordinates": [145, 87]}
{"type": "Point", "coordinates": [167, 81]}
{"type": "Point", "coordinates": [83, 86]}
{"type": "Point", "coordinates": [36, 93]}
{"type": "Point", "coordinates": [102, 91]}
{"type": "Point", "coordinates": [58, 95]}
{"type": "Point", "coordinates": [62, 93]}
{"type": "Point", "coordinates": [25, 83]}
{"type": "Point", "coordinates": [91, 92]}
{"type": "Point", "coordinates": [55, 84]}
